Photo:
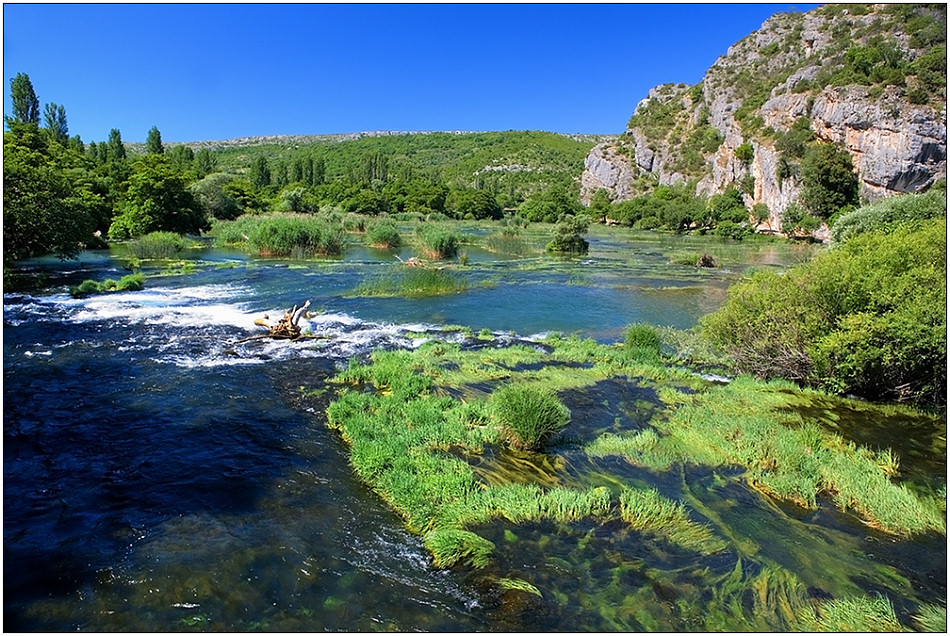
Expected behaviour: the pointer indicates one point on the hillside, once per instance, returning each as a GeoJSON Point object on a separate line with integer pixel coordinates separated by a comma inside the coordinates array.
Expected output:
{"type": "Point", "coordinates": [870, 79]}
{"type": "Point", "coordinates": [514, 163]}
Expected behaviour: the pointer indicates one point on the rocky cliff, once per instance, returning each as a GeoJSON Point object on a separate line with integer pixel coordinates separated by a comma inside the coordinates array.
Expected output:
{"type": "Point", "coordinates": [870, 78]}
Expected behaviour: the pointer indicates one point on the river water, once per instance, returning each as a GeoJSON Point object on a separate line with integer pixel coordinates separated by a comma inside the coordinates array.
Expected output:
{"type": "Point", "coordinates": [162, 475]}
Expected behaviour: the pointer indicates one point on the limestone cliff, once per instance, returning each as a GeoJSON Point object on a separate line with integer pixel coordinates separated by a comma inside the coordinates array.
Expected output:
{"type": "Point", "coordinates": [871, 78]}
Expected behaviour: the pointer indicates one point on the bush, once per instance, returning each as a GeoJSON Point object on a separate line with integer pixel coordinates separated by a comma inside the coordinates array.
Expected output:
{"type": "Point", "coordinates": [529, 417]}
{"type": "Point", "coordinates": [157, 245]}
{"type": "Point", "coordinates": [889, 213]}
{"type": "Point", "coordinates": [567, 235]}
{"type": "Point", "coordinates": [868, 317]}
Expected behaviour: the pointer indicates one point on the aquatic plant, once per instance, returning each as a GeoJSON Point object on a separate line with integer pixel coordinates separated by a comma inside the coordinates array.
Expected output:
{"type": "Point", "coordinates": [283, 235]}
{"type": "Point", "coordinates": [452, 545]}
{"type": "Point", "coordinates": [157, 245]}
{"type": "Point", "coordinates": [648, 511]}
{"type": "Point", "coordinates": [528, 416]}
{"type": "Point", "coordinates": [642, 341]}
{"type": "Point", "coordinates": [130, 282]}
{"type": "Point", "coordinates": [861, 614]}
{"type": "Point", "coordinates": [412, 282]}
{"type": "Point", "coordinates": [518, 584]}
{"type": "Point", "coordinates": [437, 241]}
{"type": "Point", "coordinates": [931, 618]}
{"type": "Point", "coordinates": [384, 235]}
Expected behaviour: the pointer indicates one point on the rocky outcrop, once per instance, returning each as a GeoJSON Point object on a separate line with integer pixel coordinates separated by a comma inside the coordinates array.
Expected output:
{"type": "Point", "coordinates": [758, 90]}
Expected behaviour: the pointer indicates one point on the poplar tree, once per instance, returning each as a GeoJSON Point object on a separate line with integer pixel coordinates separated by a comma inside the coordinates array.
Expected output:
{"type": "Point", "coordinates": [56, 123]}
{"type": "Point", "coordinates": [153, 144]}
{"type": "Point", "coordinates": [26, 107]}
{"type": "Point", "coordinates": [116, 147]}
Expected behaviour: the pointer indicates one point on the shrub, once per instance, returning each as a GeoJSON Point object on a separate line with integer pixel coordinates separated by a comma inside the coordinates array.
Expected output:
{"type": "Point", "coordinates": [888, 213]}
{"type": "Point", "coordinates": [567, 235]}
{"type": "Point", "coordinates": [529, 417]}
{"type": "Point", "coordinates": [157, 245]}
{"type": "Point", "coordinates": [867, 317]}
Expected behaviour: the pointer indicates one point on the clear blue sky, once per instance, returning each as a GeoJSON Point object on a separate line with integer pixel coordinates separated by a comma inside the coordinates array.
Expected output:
{"type": "Point", "coordinates": [218, 71]}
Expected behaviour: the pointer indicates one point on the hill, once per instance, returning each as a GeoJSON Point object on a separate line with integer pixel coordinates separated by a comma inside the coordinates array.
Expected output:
{"type": "Point", "coordinates": [868, 79]}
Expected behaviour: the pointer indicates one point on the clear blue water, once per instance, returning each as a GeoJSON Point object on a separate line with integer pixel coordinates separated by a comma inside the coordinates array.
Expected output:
{"type": "Point", "coordinates": [161, 475]}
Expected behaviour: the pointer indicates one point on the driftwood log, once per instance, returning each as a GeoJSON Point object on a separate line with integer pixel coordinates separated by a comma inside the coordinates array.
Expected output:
{"type": "Point", "coordinates": [287, 327]}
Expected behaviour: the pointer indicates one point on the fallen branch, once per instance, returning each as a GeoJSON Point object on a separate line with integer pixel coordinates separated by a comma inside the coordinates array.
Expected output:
{"type": "Point", "coordinates": [287, 328]}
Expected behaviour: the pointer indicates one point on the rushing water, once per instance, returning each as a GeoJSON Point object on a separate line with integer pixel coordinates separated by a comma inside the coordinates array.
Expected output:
{"type": "Point", "coordinates": [161, 472]}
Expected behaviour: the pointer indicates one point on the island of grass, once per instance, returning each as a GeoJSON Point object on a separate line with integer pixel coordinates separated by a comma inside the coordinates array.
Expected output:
{"type": "Point", "coordinates": [425, 430]}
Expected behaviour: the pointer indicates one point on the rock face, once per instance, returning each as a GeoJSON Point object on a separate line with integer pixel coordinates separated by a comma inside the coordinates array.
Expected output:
{"type": "Point", "coordinates": [792, 70]}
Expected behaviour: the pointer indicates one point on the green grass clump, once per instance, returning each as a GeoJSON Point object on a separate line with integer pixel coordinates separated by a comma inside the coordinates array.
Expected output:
{"type": "Point", "coordinates": [412, 282]}
{"type": "Point", "coordinates": [862, 614]}
{"type": "Point", "coordinates": [131, 282]}
{"type": "Point", "coordinates": [648, 511]}
{"type": "Point", "coordinates": [283, 235]}
{"type": "Point", "coordinates": [384, 235]}
{"type": "Point", "coordinates": [437, 242]}
{"type": "Point", "coordinates": [528, 416]}
{"type": "Point", "coordinates": [157, 245]}
{"type": "Point", "coordinates": [931, 618]}
{"type": "Point", "coordinates": [642, 341]}
{"type": "Point", "coordinates": [451, 545]}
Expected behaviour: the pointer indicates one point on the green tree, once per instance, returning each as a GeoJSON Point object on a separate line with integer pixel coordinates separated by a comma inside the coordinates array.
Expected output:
{"type": "Point", "coordinates": [157, 199]}
{"type": "Point", "coordinates": [567, 235]}
{"type": "Point", "coordinates": [205, 163]}
{"type": "Point", "coordinates": [26, 106]}
{"type": "Point", "coordinates": [42, 210]}
{"type": "Point", "coordinates": [212, 194]}
{"type": "Point", "coordinates": [829, 182]}
{"type": "Point", "coordinates": [153, 143]}
{"type": "Point", "coordinates": [475, 204]}
{"type": "Point", "coordinates": [116, 147]}
{"type": "Point", "coordinates": [260, 172]}
{"type": "Point", "coordinates": [56, 123]}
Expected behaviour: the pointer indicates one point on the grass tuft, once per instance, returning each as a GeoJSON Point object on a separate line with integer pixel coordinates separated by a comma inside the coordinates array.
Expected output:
{"type": "Point", "coordinates": [529, 417]}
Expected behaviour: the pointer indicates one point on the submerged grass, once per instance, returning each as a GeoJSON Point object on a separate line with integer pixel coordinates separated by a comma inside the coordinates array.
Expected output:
{"type": "Point", "coordinates": [409, 440]}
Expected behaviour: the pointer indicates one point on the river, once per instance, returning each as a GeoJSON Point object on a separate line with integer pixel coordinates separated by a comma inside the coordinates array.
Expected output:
{"type": "Point", "coordinates": [161, 475]}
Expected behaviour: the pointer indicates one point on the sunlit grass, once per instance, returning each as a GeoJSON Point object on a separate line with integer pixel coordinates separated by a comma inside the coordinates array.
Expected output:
{"type": "Point", "coordinates": [648, 511]}
{"type": "Point", "coordinates": [412, 282]}
{"type": "Point", "coordinates": [862, 614]}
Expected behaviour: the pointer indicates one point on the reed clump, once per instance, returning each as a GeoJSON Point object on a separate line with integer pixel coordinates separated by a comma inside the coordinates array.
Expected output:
{"type": "Point", "coordinates": [283, 235]}
{"type": "Point", "coordinates": [384, 235]}
{"type": "Point", "coordinates": [437, 242]}
{"type": "Point", "coordinates": [157, 246]}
